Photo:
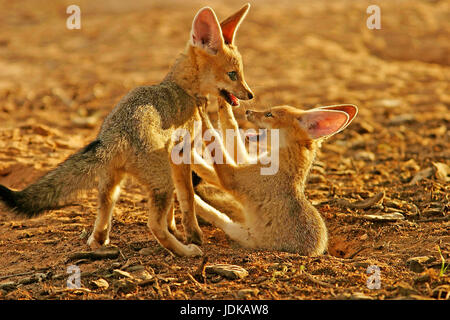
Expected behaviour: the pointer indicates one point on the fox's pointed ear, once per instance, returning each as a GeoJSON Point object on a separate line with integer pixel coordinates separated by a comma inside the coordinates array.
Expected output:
{"type": "Point", "coordinates": [322, 123]}
{"type": "Point", "coordinates": [231, 24]}
{"type": "Point", "coordinates": [350, 109]}
{"type": "Point", "coordinates": [206, 32]}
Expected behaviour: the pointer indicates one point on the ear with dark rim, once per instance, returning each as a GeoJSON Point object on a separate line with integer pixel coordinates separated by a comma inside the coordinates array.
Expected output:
{"type": "Point", "coordinates": [206, 32]}
{"type": "Point", "coordinates": [231, 24]}
{"type": "Point", "coordinates": [350, 109]}
{"type": "Point", "coordinates": [323, 123]}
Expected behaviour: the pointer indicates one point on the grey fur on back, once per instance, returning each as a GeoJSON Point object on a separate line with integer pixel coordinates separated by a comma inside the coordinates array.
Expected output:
{"type": "Point", "coordinates": [145, 112]}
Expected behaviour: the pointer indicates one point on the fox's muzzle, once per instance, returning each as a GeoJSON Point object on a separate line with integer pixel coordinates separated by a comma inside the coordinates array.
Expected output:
{"type": "Point", "coordinates": [250, 115]}
{"type": "Point", "coordinates": [248, 93]}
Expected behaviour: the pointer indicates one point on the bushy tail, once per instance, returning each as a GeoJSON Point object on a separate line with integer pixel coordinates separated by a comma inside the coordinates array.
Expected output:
{"type": "Point", "coordinates": [75, 174]}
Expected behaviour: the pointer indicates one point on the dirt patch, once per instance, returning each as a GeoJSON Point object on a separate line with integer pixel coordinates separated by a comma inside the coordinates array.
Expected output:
{"type": "Point", "coordinates": [57, 85]}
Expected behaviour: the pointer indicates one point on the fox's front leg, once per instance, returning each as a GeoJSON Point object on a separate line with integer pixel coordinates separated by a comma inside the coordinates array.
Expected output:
{"type": "Point", "coordinates": [232, 138]}
{"type": "Point", "coordinates": [227, 171]}
{"type": "Point", "coordinates": [182, 179]}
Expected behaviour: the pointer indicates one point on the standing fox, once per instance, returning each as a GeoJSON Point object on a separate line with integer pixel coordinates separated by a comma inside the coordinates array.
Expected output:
{"type": "Point", "coordinates": [135, 139]}
{"type": "Point", "coordinates": [272, 211]}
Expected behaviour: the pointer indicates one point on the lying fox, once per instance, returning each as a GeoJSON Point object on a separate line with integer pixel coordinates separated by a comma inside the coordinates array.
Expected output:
{"type": "Point", "coordinates": [135, 139]}
{"type": "Point", "coordinates": [272, 211]}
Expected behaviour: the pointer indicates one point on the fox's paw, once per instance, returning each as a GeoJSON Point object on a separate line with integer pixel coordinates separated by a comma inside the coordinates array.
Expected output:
{"type": "Point", "coordinates": [194, 236]}
{"type": "Point", "coordinates": [193, 251]}
{"type": "Point", "coordinates": [94, 244]}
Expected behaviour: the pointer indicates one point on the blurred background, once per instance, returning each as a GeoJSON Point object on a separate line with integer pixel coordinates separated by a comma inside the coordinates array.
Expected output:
{"type": "Point", "coordinates": [296, 52]}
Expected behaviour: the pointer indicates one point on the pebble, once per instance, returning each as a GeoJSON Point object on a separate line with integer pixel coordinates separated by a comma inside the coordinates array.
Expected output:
{"type": "Point", "coordinates": [9, 285]}
{"type": "Point", "coordinates": [124, 286]}
{"type": "Point", "coordinates": [411, 164]}
{"type": "Point", "coordinates": [418, 264]}
{"type": "Point", "coordinates": [388, 217]}
{"type": "Point", "coordinates": [442, 172]}
{"type": "Point", "coordinates": [143, 275]}
{"type": "Point", "coordinates": [402, 118]}
{"type": "Point", "coordinates": [433, 212]}
{"type": "Point", "coordinates": [135, 268]}
{"type": "Point", "coordinates": [121, 273]}
{"type": "Point", "coordinates": [360, 296]}
{"type": "Point", "coordinates": [244, 293]}
{"type": "Point", "coordinates": [364, 155]}
{"type": "Point", "coordinates": [100, 284]}
{"type": "Point", "coordinates": [147, 251]}
{"type": "Point", "coordinates": [389, 103]}
{"type": "Point", "coordinates": [228, 271]}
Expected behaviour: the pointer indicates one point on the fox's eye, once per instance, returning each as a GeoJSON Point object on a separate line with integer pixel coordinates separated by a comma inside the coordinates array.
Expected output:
{"type": "Point", "coordinates": [268, 115]}
{"type": "Point", "coordinates": [233, 75]}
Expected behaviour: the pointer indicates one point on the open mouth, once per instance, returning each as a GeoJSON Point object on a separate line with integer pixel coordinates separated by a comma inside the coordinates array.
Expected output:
{"type": "Point", "coordinates": [229, 97]}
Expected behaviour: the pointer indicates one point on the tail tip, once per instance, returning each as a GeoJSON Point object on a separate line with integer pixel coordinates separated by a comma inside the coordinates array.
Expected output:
{"type": "Point", "coordinates": [11, 199]}
{"type": "Point", "coordinates": [7, 196]}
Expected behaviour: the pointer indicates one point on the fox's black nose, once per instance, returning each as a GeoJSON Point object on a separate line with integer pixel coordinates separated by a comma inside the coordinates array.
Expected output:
{"type": "Point", "coordinates": [248, 112]}
{"type": "Point", "coordinates": [250, 95]}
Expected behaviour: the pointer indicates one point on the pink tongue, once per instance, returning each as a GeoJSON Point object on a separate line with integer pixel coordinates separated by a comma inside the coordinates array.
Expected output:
{"type": "Point", "coordinates": [233, 99]}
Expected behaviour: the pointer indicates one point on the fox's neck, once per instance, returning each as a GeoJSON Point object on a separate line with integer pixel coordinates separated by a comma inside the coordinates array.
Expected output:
{"type": "Point", "coordinates": [296, 160]}
{"type": "Point", "coordinates": [184, 72]}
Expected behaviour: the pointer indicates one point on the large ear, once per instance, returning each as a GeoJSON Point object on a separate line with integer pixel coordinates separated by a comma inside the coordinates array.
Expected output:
{"type": "Point", "coordinates": [322, 123]}
{"type": "Point", "coordinates": [231, 24]}
{"type": "Point", "coordinates": [350, 109]}
{"type": "Point", "coordinates": [206, 32]}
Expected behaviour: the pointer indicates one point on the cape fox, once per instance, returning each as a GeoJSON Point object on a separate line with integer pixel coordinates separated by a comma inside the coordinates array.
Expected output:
{"type": "Point", "coordinates": [270, 211]}
{"type": "Point", "coordinates": [135, 139]}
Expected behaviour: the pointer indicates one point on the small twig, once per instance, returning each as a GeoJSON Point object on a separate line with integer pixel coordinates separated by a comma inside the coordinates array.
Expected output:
{"type": "Point", "coordinates": [17, 275]}
{"type": "Point", "coordinates": [158, 288]}
{"type": "Point", "coordinates": [71, 290]}
{"type": "Point", "coordinates": [343, 260]}
{"type": "Point", "coordinates": [446, 218]}
{"type": "Point", "coordinates": [316, 281]}
{"type": "Point", "coordinates": [200, 271]}
{"type": "Point", "coordinates": [23, 273]}
{"type": "Point", "coordinates": [426, 173]}
{"type": "Point", "coordinates": [367, 203]}
{"type": "Point", "coordinates": [198, 284]}
{"type": "Point", "coordinates": [103, 253]}
{"type": "Point", "coordinates": [357, 251]}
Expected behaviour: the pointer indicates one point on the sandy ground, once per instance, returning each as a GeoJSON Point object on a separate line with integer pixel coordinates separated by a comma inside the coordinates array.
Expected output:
{"type": "Point", "coordinates": [56, 86]}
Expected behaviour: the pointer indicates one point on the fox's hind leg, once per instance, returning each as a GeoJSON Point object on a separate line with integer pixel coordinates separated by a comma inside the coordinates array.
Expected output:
{"type": "Point", "coordinates": [108, 193]}
{"type": "Point", "coordinates": [235, 230]}
{"type": "Point", "coordinates": [160, 203]}
{"type": "Point", "coordinates": [171, 223]}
